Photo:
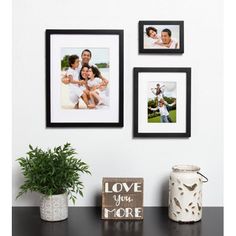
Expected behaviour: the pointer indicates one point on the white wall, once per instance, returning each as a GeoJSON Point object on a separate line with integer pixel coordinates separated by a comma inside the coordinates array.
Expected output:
{"type": "Point", "coordinates": [116, 152]}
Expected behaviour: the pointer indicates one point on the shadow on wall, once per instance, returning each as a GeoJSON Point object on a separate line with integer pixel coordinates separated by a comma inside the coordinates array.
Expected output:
{"type": "Point", "coordinates": [30, 199]}
{"type": "Point", "coordinates": [98, 199]}
{"type": "Point", "coordinates": [164, 192]}
{"type": "Point", "coordinates": [98, 203]}
{"type": "Point", "coordinates": [27, 199]}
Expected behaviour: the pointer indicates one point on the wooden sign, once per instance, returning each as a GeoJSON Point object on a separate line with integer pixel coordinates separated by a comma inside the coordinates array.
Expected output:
{"type": "Point", "coordinates": [122, 198]}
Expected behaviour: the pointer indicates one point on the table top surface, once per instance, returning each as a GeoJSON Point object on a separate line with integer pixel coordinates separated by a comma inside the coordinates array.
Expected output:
{"type": "Point", "coordinates": [86, 221]}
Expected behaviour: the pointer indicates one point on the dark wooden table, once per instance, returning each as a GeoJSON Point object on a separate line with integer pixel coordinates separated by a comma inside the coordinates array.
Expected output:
{"type": "Point", "coordinates": [86, 221]}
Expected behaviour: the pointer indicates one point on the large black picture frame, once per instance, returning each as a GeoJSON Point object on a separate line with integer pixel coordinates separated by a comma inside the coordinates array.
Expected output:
{"type": "Point", "coordinates": [106, 32]}
{"type": "Point", "coordinates": [136, 72]}
{"type": "Point", "coordinates": [179, 50]}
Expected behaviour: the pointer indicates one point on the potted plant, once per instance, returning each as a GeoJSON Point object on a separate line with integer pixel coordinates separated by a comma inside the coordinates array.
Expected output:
{"type": "Point", "coordinates": [55, 174]}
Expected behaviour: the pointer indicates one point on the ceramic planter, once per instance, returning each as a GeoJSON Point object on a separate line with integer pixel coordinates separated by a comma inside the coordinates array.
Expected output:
{"type": "Point", "coordinates": [54, 207]}
{"type": "Point", "coordinates": [185, 194]}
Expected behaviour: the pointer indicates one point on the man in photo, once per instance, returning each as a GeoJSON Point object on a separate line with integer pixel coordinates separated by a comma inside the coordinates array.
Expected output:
{"type": "Point", "coordinates": [162, 108]}
{"type": "Point", "coordinates": [166, 39]}
{"type": "Point", "coordinates": [86, 56]}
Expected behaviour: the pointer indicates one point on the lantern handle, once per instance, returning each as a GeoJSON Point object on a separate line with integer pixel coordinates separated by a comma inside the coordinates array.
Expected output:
{"type": "Point", "coordinates": [206, 179]}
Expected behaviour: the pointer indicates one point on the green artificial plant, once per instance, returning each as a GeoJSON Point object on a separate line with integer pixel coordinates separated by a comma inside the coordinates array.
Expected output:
{"type": "Point", "coordinates": [55, 171]}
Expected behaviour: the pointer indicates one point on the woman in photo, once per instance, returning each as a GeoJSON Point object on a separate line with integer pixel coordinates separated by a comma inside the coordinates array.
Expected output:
{"type": "Point", "coordinates": [83, 76]}
{"type": "Point", "coordinates": [152, 34]}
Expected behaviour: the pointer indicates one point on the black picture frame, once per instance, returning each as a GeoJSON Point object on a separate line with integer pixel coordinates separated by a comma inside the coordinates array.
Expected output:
{"type": "Point", "coordinates": [142, 50]}
{"type": "Point", "coordinates": [93, 32]}
{"type": "Point", "coordinates": [184, 134]}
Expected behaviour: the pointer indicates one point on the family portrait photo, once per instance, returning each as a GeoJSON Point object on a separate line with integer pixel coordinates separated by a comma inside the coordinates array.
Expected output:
{"type": "Point", "coordinates": [161, 37]}
{"type": "Point", "coordinates": [84, 78]}
{"type": "Point", "coordinates": [161, 102]}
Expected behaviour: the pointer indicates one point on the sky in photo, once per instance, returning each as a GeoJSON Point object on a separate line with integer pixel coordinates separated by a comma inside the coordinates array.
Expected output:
{"type": "Point", "coordinates": [99, 55]}
{"type": "Point", "coordinates": [169, 89]}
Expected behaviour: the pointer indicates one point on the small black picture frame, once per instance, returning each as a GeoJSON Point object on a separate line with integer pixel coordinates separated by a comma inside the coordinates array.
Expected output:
{"type": "Point", "coordinates": [149, 104]}
{"type": "Point", "coordinates": [161, 37]}
{"type": "Point", "coordinates": [106, 47]}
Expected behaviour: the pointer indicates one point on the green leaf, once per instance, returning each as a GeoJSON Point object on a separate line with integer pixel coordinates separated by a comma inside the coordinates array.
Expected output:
{"type": "Point", "coordinates": [53, 171]}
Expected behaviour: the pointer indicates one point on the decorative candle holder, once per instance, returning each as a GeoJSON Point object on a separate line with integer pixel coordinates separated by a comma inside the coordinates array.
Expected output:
{"type": "Point", "coordinates": [185, 193]}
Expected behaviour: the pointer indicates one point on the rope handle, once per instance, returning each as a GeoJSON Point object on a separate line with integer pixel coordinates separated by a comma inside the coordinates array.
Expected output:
{"type": "Point", "coordinates": [206, 179]}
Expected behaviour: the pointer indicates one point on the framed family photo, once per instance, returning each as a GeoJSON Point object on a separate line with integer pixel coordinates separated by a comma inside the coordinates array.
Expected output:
{"type": "Point", "coordinates": [161, 37]}
{"type": "Point", "coordinates": [84, 78]}
{"type": "Point", "coordinates": [162, 102]}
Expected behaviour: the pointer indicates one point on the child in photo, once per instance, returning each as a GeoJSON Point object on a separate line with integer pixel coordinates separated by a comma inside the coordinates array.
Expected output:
{"type": "Point", "coordinates": [97, 87]}
{"type": "Point", "coordinates": [76, 87]}
{"type": "Point", "coordinates": [158, 91]}
{"type": "Point", "coordinates": [164, 114]}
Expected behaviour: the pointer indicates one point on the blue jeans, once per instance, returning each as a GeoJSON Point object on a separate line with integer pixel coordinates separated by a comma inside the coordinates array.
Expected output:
{"type": "Point", "coordinates": [164, 119]}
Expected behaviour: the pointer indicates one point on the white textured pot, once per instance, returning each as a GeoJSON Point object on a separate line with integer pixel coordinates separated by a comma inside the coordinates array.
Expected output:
{"type": "Point", "coordinates": [185, 194]}
{"type": "Point", "coordinates": [54, 207]}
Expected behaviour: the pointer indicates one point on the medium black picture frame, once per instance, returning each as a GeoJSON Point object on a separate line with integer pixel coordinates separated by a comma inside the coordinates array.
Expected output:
{"type": "Point", "coordinates": [93, 32]}
{"type": "Point", "coordinates": [187, 132]}
{"type": "Point", "coordinates": [179, 50]}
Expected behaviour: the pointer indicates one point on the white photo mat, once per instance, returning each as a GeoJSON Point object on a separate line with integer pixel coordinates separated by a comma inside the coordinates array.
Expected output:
{"type": "Point", "coordinates": [60, 115]}
{"type": "Point", "coordinates": [180, 125]}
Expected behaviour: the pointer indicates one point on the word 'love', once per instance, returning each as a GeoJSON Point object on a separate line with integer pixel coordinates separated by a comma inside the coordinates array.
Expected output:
{"type": "Point", "coordinates": [123, 187]}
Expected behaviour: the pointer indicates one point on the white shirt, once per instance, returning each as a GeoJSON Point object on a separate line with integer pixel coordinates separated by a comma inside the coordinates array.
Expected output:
{"type": "Point", "coordinates": [151, 42]}
{"type": "Point", "coordinates": [73, 72]}
{"type": "Point", "coordinates": [162, 110]}
{"type": "Point", "coordinates": [162, 46]}
{"type": "Point", "coordinates": [173, 44]}
{"type": "Point", "coordinates": [75, 75]}
{"type": "Point", "coordinates": [95, 82]}
{"type": "Point", "coordinates": [160, 95]}
{"type": "Point", "coordinates": [76, 90]}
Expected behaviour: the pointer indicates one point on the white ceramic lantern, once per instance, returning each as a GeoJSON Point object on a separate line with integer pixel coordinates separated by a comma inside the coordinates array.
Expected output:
{"type": "Point", "coordinates": [185, 193]}
{"type": "Point", "coordinates": [54, 207]}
